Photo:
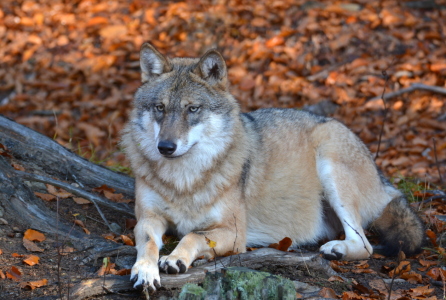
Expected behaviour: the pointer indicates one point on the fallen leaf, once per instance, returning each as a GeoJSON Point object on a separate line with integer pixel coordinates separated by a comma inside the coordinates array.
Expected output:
{"type": "Point", "coordinates": [421, 291]}
{"type": "Point", "coordinates": [79, 200]}
{"type": "Point", "coordinates": [103, 188]}
{"type": "Point", "coordinates": [2, 275]}
{"type": "Point", "coordinates": [326, 292]}
{"type": "Point", "coordinates": [34, 235]}
{"type": "Point", "coordinates": [436, 274]}
{"type": "Point", "coordinates": [432, 236]}
{"type": "Point", "coordinates": [61, 193]}
{"type": "Point", "coordinates": [274, 246]}
{"type": "Point", "coordinates": [335, 278]}
{"type": "Point", "coordinates": [106, 267]}
{"type": "Point", "coordinates": [229, 253]}
{"type": "Point", "coordinates": [33, 284]}
{"type": "Point", "coordinates": [128, 241]}
{"type": "Point", "coordinates": [31, 260]}
{"type": "Point", "coordinates": [211, 244]}
{"type": "Point", "coordinates": [378, 256]}
{"type": "Point", "coordinates": [130, 223]}
{"type": "Point", "coordinates": [123, 272]}
{"type": "Point", "coordinates": [109, 236]}
{"type": "Point", "coordinates": [336, 265]}
{"type": "Point", "coordinates": [275, 41]}
{"type": "Point", "coordinates": [31, 246]}
{"type": "Point", "coordinates": [113, 31]}
{"type": "Point", "coordinates": [412, 277]}
{"type": "Point", "coordinates": [285, 243]}
{"type": "Point", "coordinates": [46, 197]}
{"type": "Point", "coordinates": [17, 255]}
{"type": "Point", "coordinates": [363, 271]}
{"type": "Point", "coordinates": [349, 296]}
{"type": "Point", "coordinates": [18, 167]}
{"type": "Point", "coordinates": [79, 223]}
{"type": "Point", "coordinates": [118, 198]}
{"type": "Point", "coordinates": [97, 21]}
{"type": "Point", "coordinates": [14, 274]}
{"type": "Point", "coordinates": [403, 267]}
{"type": "Point", "coordinates": [66, 250]}
{"type": "Point", "coordinates": [428, 263]}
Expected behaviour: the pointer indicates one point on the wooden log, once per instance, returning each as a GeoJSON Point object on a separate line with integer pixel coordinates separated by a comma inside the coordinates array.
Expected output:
{"type": "Point", "coordinates": [258, 259]}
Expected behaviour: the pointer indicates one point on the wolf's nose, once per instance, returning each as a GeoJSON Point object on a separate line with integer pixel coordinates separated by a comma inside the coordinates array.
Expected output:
{"type": "Point", "coordinates": [166, 147]}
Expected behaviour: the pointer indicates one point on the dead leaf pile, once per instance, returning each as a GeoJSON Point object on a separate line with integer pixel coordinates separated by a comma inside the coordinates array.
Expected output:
{"type": "Point", "coordinates": [70, 71]}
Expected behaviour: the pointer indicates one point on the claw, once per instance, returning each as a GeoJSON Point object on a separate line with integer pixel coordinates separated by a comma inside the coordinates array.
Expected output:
{"type": "Point", "coordinates": [151, 288]}
{"type": "Point", "coordinates": [139, 286]}
{"type": "Point", "coordinates": [181, 266]}
{"type": "Point", "coordinates": [157, 284]}
{"type": "Point", "coordinates": [134, 279]}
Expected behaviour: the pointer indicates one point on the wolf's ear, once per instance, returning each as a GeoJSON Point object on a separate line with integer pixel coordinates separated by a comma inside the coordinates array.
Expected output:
{"type": "Point", "coordinates": [212, 68]}
{"type": "Point", "coordinates": [152, 62]}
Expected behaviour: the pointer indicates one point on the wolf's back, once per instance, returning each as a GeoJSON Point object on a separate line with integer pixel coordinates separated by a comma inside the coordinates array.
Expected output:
{"type": "Point", "coordinates": [400, 228]}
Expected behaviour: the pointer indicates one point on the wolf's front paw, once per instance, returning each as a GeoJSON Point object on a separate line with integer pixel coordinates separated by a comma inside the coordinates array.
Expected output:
{"type": "Point", "coordinates": [172, 264]}
{"type": "Point", "coordinates": [145, 274]}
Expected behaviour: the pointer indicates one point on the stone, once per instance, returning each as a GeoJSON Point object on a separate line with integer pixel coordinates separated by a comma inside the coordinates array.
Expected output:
{"type": "Point", "coordinates": [240, 283]}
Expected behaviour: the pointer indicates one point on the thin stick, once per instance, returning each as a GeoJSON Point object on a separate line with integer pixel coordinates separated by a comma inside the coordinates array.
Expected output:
{"type": "Point", "coordinates": [436, 161]}
{"type": "Point", "coordinates": [59, 255]}
{"type": "Point", "coordinates": [385, 113]}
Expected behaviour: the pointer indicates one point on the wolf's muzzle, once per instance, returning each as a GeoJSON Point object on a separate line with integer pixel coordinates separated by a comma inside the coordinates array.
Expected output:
{"type": "Point", "coordinates": [167, 147]}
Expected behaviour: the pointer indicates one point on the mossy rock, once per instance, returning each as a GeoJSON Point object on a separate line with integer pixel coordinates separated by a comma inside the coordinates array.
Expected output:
{"type": "Point", "coordinates": [191, 291]}
{"type": "Point", "coordinates": [240, 283]}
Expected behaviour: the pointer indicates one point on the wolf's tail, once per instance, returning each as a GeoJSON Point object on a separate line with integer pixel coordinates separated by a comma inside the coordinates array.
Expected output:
{"type": "Point", "coordinates": [400, 228]}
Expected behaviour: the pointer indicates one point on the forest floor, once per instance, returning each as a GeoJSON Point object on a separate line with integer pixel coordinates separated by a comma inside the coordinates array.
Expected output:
{"type": "Point", "coordinates": [68, 69]}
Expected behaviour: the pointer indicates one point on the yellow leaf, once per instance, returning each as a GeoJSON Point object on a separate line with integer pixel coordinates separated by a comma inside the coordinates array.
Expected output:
{"type": "Point", "coordinates": [212, 244]}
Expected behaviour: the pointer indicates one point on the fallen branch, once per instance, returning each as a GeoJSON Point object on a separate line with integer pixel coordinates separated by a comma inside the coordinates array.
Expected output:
{"type": "Point", "coordinates": [258, 259]}
{"type": "Point", "coordinates": [36, 151]}
{"type": "Point", "coordinates": [413, 87]}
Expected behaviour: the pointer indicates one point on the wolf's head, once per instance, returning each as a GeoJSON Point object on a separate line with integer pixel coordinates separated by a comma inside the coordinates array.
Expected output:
{"type": "Point", "coordinates": [183, 105]}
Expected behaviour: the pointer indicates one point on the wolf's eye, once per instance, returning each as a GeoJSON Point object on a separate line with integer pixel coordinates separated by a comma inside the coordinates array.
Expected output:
{"type": "Point", "coordinates": [194, 108]}
{"type": "Point", "coordinates": [159, 107]}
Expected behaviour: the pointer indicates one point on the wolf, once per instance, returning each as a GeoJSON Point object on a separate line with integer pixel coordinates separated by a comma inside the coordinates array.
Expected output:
{"type": "Point", "coordinates": [208, 172]}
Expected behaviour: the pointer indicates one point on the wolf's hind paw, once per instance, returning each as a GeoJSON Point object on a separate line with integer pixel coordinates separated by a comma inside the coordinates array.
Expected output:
{"type": "Point", "coordinates": [332, 256]}
{"type": "Point", "coordinates": [334, 250]}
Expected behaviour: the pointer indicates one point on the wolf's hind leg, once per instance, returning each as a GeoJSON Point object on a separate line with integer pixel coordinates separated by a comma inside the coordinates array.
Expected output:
{"type": "Point", "coordinates": [339, 190]}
